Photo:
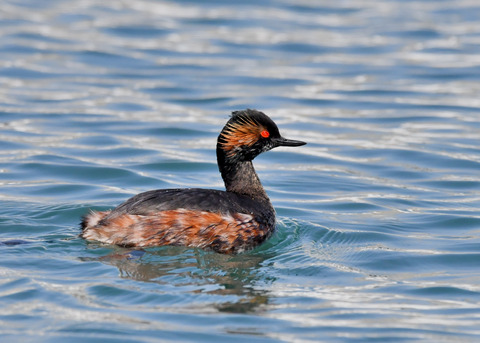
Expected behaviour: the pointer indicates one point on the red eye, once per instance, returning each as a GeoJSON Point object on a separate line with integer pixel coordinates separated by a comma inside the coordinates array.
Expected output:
{"type": "Point", "coordinates": [265, 134]}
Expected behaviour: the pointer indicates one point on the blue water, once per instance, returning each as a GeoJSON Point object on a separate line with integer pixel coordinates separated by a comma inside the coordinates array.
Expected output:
{"type": "Point", "coordinates": [378, 234]}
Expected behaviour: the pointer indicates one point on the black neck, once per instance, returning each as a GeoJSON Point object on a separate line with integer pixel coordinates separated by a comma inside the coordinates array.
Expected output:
{"type": "Point", "coordinates": [240, 177]}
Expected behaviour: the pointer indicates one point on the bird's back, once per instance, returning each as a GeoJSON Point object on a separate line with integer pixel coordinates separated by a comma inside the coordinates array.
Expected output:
{"type": "Point", "coordinates": [223, 221]}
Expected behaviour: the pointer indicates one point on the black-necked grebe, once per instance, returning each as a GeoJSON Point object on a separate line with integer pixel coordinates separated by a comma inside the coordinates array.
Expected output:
{"type": "Point", "coordinates": [230, 221]}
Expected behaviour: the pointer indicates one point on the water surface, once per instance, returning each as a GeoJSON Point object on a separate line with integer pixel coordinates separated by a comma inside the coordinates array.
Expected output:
{"type": "Point", "coordinates": [378, 223]}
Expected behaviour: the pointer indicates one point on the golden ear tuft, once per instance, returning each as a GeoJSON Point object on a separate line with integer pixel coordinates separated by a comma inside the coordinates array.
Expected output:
{"type": "Point", "coordinates": [244, 131]}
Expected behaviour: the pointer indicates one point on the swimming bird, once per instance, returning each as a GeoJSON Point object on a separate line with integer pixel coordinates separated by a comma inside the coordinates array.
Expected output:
{"type": "Point", "coordinates": [231, 221]}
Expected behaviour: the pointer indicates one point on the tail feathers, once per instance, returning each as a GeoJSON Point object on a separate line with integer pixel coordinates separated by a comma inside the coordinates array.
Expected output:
{"type": "Point", "coordinates": [92, 218]}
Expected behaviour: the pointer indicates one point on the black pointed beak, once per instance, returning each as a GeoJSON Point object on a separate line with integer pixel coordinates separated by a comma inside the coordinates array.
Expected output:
{"type": "Point", "coordinates": [287, 142]}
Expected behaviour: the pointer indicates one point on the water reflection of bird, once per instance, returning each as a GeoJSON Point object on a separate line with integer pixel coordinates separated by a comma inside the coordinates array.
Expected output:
{"type": "Point", "coordinates": [229, 280]}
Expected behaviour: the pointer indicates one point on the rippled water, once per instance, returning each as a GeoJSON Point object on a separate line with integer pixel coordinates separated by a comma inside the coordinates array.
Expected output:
{"type": "Point", "coordinates": [378, 233]}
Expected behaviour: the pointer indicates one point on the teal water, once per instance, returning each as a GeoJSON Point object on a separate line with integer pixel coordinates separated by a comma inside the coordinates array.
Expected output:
{"type": "Point", "coordinates": [378, 235]}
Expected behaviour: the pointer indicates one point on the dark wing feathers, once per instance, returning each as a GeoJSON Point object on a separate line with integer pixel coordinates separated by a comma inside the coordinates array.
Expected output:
{"type": "Point", "coordinates": [209, 200]}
